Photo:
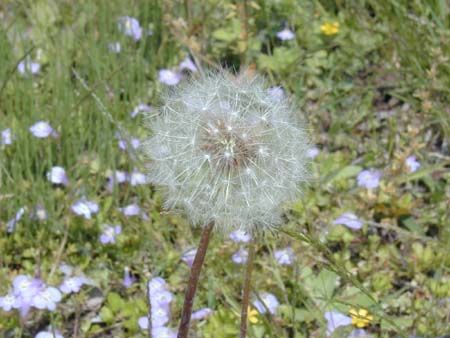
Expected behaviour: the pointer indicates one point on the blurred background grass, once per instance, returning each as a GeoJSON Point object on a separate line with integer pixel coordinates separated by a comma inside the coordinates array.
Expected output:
{"type": "Point", "coordinates": [374, 92]}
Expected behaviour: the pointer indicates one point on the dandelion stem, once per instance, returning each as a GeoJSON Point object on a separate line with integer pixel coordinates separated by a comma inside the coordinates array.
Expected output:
{"type": "Point", "coordinates": [193, 281]}
{"type": "Point", "coordinates": [246, 290]}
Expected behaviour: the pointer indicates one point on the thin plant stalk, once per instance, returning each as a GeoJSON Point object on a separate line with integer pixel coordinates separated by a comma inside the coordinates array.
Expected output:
{"type": "Point", "coordinates": [247, 288]}
{"type": "Point", "coordinates": [193, 281]}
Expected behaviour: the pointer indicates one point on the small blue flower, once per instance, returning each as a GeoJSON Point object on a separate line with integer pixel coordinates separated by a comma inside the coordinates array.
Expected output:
{"type": "Point", "coordinates": [285, 256]}
{"type": "Point", "coordinates": [7, 137]}
{"type": "Point", "coordinates": [369, 179]}
{"type": "Point", "coordinates": [350, 220]}
{"type": "Point", "coordinates": [240, 236]}
{"type": "Point", "coordinates": [269, 302]}
{"type": "Point", "coordinates": [285, 34]}
{"type": "Point", "coordinates": [109, 234]}
{"type": "Point", "coordinates": [335, 319]}
{"type": "Point", "coordinates": [57, 175]}
{"type": "Point", "coordinates": [412, 164]}
{"type": "Point", "coordinates": [130, 26]}
{"type": "Point", "coordinates": [188, 64]}
{"type": "Point", "coordinates": [85, 208]}
{"type": "Point", "coordinates": [114, 47]}
{"type": "Point", "coordinates": [201, 314]}
{"type": "Point", "coordinates": [169, 77]}
{"type": "Point", "coordinates": [71, 285]}
{"type": "Point", "coordinates": [42, 129]}
{"type": "Point", "coordinates": [240, 256]}
{"type": "Point", "coordinates": [27, 67]}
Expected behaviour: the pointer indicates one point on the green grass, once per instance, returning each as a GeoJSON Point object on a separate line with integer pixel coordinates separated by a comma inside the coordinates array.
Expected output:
{"type": "Point", "coordinates": [373, 94]}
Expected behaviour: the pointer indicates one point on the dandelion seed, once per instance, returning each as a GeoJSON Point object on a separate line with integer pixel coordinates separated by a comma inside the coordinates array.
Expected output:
{"type": "Point", "coordinates": [227, 152]}
{"type": "Point", "coordinates": [286, 34]}
{"type": "Point", "coordinates": [412, 164]}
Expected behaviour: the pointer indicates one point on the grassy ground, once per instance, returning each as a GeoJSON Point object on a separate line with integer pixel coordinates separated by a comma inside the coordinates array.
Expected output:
{"type": "Point", "coordinates": [375, 91]}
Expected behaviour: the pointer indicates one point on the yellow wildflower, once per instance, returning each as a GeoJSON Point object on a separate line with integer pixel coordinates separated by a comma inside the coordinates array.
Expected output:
{"type": "Point", "coordinates": [252, 315]}
{"type": "Point", "coordinates": [330, 28]}
{"type": "Point", "coordinates": [360, 318]}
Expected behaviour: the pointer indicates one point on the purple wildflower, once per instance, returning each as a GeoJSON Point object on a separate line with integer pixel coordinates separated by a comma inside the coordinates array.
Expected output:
{"type": "Point", "coordinates": [285, 34]}
{"type": "Point", "coordinates": [188, 256]}
{"type": "Point", "coordinates": [11, 224]}
{"type": "Point", "coordinates": [140, 108]}
{"type": "Point", "coordinates": [369, 179]}
{"type": "Point", "coordinates": [85, 208]}
{"type": "Point", "coordinates": [128, 280]}
{"type": "Point", "coordinates": [109, 234]}
{"type": "Point", "coordinates": [335, 319]}
{"type": "Point", "coordinates": [269, 302]}
{"type": "Point", "coordinates": [312, 152]}
{"type": "Point", "coordinates": [202, 313]}
{"type": "Point", "coordinates": [143, 322]}
{"type": "Point", "coordinates": [276, 93]}
{"type": "Point", "coordinates": [137, 178]}
{"type": "Point", "coordinates": [42, 129]}
{"type": "Point", "coordinates": [130, 26]}
{"type": "Point", "coordinates": [412, 164]}
{"type": "Point", "coordinates": [188, 64]}
{"type": "Point", "coordinates": [350, 220]}
{"type": "Point", "coordinates": [240, 256]}
{"type": "Point", "coordinates": [163, 332]}
{"type": "Point", "coordinates": [240, 236]}
{"type": "Point", "coordinates": [57, 175]}
{"type": "Point", "coordinates": [9, 302]}
{"type": "Point", "coordinates": [284, 256]}
{"type": "Point", "coordinates": [27, 67]}
{"type": "Point", "coordinates": [134, 142]}
{"type": "Point", "coordinates": [115, 47]}
{"type": "Point", "coordinates": [40, 213]}
{"type": "Point", "coordinates": [49, 334]}
{"type": "Point", "coordinates": [116, 176]}
{"type": "Point", "coordinates": [169, 77]}
{"type": "Point", "coordinates": [7, 136]}
{"type": "Point", "coordinates": [360, 333]}
{"type": "Point", "coordinates": [47, 298]}
{"type": "Point", "coordinates": [71, 285]}
{"type": "Point", "coordinates": [131, 210]}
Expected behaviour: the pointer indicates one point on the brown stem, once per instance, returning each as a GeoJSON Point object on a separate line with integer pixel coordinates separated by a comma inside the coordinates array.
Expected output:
{"type": "Point", "coordinates": [193, 281]}
{"type": "Point", "coordinates": [246, 291]}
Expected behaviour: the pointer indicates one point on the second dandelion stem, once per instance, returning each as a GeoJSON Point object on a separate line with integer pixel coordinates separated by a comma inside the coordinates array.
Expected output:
{"type": "Point", "coordinates": [246, 289]}
{"type": "Point", "coordinates": [193, 281]}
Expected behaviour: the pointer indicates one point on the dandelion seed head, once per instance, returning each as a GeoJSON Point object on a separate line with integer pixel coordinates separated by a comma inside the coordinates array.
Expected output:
{"type": "Point", "coordinates": [228, 152]}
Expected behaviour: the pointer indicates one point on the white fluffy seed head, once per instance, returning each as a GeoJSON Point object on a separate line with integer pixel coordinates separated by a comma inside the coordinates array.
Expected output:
{"type": "Point", "coordinates": [227, 152]}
